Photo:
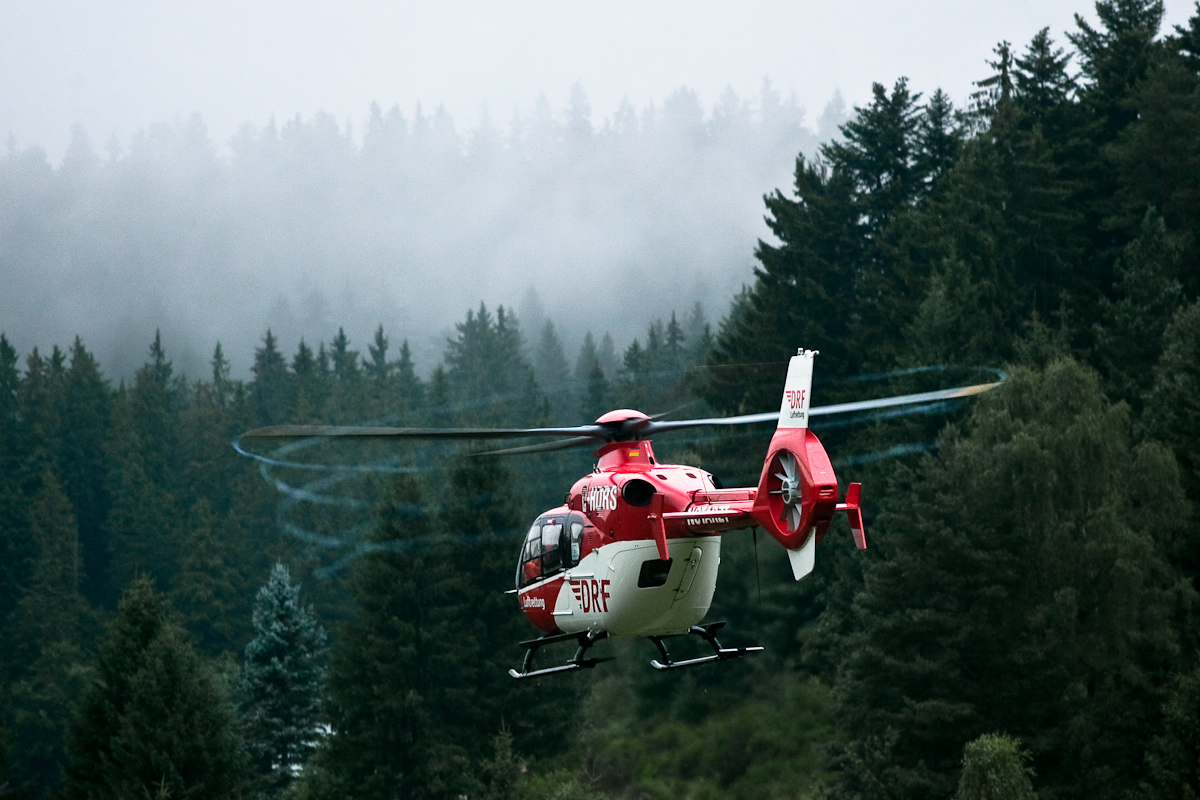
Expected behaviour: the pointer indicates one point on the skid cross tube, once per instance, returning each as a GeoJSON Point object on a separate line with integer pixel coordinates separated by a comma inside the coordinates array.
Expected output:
{"type": "Point", "coordinates": [585, 640]}
{"type": "Point", "coordinates": [707, 633]}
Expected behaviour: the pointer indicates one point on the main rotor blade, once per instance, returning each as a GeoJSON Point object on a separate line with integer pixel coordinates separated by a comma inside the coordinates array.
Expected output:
{"type": "Point", "coordinates": [579, 434]}
{"type": "Point", "coordinates": [903, 400]}
{"type": "Point", "coordinates": [350, 431]}
{"type": "Point", "coordinates": [544, 447]}
{"type": "Point", "coordinates": [654, 427]}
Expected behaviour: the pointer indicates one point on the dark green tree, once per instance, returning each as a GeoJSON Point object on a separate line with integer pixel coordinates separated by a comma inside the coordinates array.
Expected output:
{"type": "Point", "coordinates": [378, 369]}
{"type": "Point", "coordinates": [1019, 584]}
{"type": "Point", "coordinates": [1173, 755]}
{"type": "Point", "coordinates": [1116, 56]}
{"type": "Point", "coordinates": [1043, 83]}
{"type": "Point", "coordinates": [1172, 407]}
{"type": "Point", "coordinates": [82, 460]}
{"type": "Point", "coordinates": [282, 686]}
{"type": "Point", "coordinates": [1148, 295]}
{"type": "Point", "coordinates": [207, 591]}
{"type": "Point", "coordinates": [345, 361]}
{"type": "Point", "coordinates": [553, 374]}
{"type": "Point", "coordinates": [270, 382]}
{"type": "Point", "coordinates": [994, 768]}
{"type": "Point", "coordinates": [403, 676]}
{"type": "Point", "coordinates": [47, 634]}
{"type": "Point", "coordinates": [154, 721]}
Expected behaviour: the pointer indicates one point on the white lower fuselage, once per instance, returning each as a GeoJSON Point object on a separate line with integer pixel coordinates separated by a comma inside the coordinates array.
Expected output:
{"type": "Point", "coordinates": [601, 593]}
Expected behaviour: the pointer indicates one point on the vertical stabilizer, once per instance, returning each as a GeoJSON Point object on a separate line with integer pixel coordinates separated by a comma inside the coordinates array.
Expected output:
{"type": "Point", "coordinates": [797, 391]}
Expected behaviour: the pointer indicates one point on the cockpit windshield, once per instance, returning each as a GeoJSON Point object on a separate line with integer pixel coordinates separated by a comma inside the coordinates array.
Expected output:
{"type": "Point", "coordinates": [554, 543]}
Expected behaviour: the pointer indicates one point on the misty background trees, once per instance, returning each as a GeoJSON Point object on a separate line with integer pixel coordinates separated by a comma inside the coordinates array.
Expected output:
{"type": "Point", "coordinates": [1024, 619]}
{"type": "Point", "coordinates": [308, 224]}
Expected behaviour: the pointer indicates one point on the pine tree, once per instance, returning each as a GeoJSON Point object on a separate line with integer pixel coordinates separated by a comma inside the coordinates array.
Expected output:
{"type": "Point", "coordinates": [994, 769]}
{"type": "Point", "coordinates": [586, 358]}
{"type": "Point", "coordinates": [880, 155]}
{"type": "Point", "coordinates": [1149, 294]}
{"type": "Point", "coordinates": [404, 669]}
{"type": "Point", "coordinates": [345, 361]}
{"type": "Point", "coordinates": [552, 373]}
{"type": "Point", "coordinates": [378, 369]}
{"type": "Point", "coordinates": [1043, 83]}
{"type": "Point", "coordinates": [154, 720]}
{"type": "Point", "coordinates": [46, 635]}
{"type": "Point", "coordinates": [813, 269]}
{"type": "Point", "coordinates": [52, 609]}
{"type": "Point", "coordinates": [10, 387]}
{"type": "Point", "coordinates": [596, 400]}
{"type": "Point", "coordinates": [1187, 40]}
{"type": "Point", "coordinates": [222, 388]}
{"type": "Point", "coordinates": [282, 687]}
{"type": "Point", "coordinates": [84, 421]}
{"type": "Point", "coordinates": [1172, 410]}
{"type": "Point", "coordinates": [270, 381]}
{"type": "Point", "coordinates": [409, 388]}
{"type": "Point", "coordinates": [1173, 755]}
{"type": "Point", "coordinates": [1157, 157]}
{"type": "Point", "coordinates": [1117, 56]}
{"type": "Point", "coordinates": [206, 591]}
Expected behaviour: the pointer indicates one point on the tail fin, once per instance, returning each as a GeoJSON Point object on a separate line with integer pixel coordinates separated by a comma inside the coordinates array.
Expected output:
{"type": "Point", "coordinates": [797, 391]}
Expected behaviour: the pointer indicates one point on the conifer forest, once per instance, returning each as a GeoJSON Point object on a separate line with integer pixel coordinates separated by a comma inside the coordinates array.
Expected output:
{"type": "Point", "coordinates": [326, 620]}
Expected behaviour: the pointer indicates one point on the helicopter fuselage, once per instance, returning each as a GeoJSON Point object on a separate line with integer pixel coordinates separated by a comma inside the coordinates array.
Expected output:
{"type": "Point", "coordinates": [597, 562]}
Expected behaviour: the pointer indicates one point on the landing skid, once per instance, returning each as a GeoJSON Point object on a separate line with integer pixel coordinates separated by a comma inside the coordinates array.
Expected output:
{"type": "Point", "coordinates": [585, 640]}
{"type": "Point", "coordinates": [707, 633]}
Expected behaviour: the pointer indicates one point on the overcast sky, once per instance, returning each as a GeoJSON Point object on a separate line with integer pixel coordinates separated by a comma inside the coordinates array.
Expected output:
{"type": "Point", "coordinates": [120, 66]}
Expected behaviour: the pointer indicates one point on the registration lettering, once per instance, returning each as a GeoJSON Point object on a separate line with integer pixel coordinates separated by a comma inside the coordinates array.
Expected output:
{"type": "Point", "coordinates": [599, 498]}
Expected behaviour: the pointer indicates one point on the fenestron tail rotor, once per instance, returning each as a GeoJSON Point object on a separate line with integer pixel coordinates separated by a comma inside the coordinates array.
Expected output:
{"type": "Point", "coordinates": [789, 489]}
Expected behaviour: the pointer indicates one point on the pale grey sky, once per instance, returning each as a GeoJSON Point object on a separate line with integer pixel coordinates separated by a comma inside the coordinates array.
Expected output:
{"type": "Point", "coordinates": [120, 66]}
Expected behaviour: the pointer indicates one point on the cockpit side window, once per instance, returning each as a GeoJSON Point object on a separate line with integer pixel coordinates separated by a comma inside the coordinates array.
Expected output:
{"type": "Point", "coordinates": [542, 555]}
{"type": "Point", "coordinates": [572, 545]}
{"type": "Point", "coordinates": [551, 555]}
{"type": "Point", "coordinates": [553, 544]}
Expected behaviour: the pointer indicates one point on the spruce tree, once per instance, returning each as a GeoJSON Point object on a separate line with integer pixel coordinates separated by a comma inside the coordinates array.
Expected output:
{"type": "Point", "coordinates": [404, 670]}
{"type": "Point", "coordinates": [206, 591]}
{"type": "Point", "coordinates": [47, 634]}
{"type": "Point", "coordinates": [409, 388]}
{"type": "Point", "coordinates": [1173, 755]}
{"type": "Point", "coordinates": [378, 369]}
{"type": "Point", "coordinates": [1148, 295]}
{"type": "Point", "coordinates": [282, 686]}
{"type": "Point", "coordinates": [270, 381]}
{"type": "Point", "coordinates": [994, 769]}
{"type": "Point", "coordinates": [84, 420]}
{"type": "Point", "coordinates": [154, 719]}
{"type": "Point", "coordinates": [1116, 56]}
{"type": "Point", "coordinates": [552, 373]}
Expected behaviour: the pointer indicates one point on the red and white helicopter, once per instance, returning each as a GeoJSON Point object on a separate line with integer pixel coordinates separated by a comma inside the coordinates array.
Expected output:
{"type": "Point", "coordinates": [635, 548]}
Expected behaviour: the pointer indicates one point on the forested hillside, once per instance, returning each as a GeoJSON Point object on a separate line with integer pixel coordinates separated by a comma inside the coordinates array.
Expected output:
{"type": "Point", "coordinates": [1024, 622]}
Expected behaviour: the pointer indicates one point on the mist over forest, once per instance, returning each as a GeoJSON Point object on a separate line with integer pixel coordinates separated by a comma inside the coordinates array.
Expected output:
{"type": "Point", "coordinates": [308, 225]}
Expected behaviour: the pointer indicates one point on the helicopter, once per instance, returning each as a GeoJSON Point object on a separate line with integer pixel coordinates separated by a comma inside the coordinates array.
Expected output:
{"type": "Point", "coordinates": [635, 548]}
